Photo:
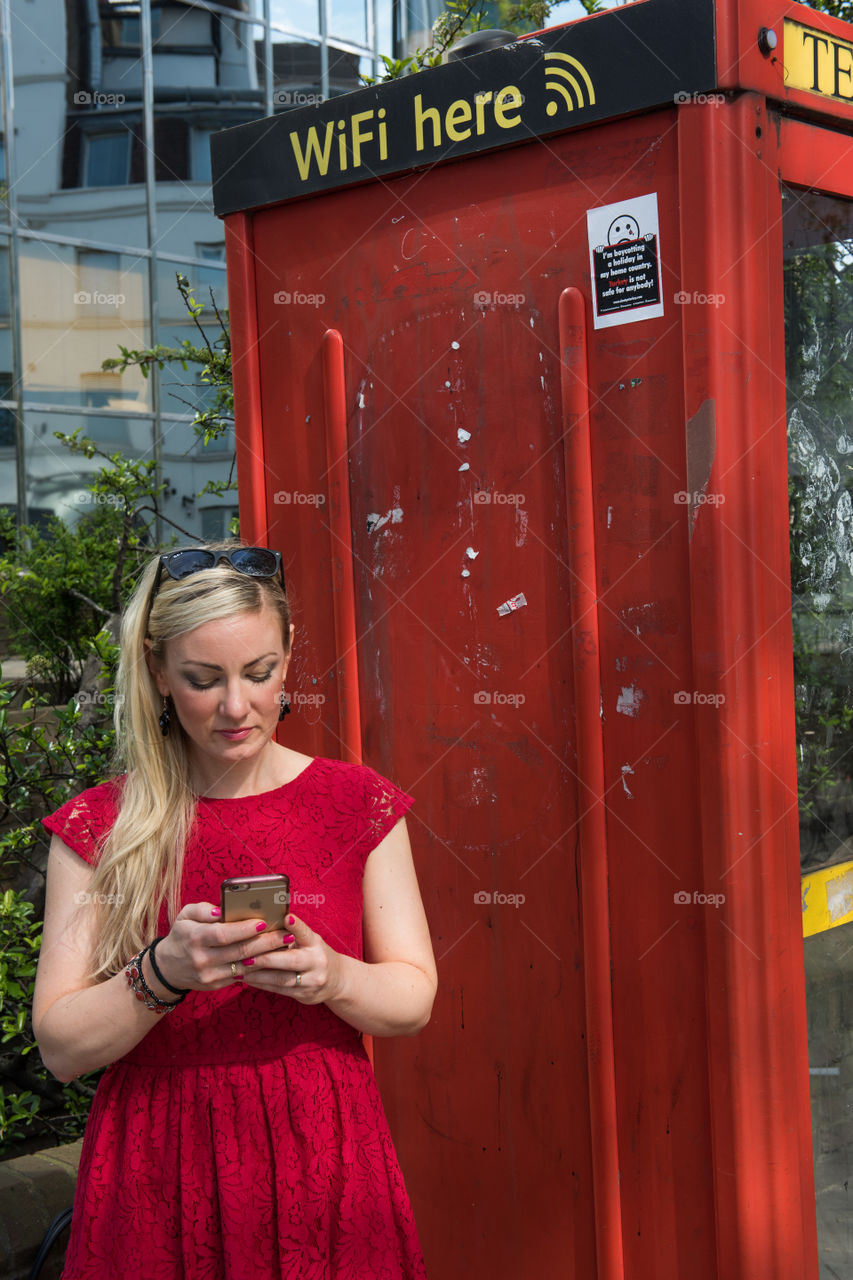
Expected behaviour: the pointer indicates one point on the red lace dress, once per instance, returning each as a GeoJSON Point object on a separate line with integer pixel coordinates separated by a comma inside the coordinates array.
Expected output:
{"type": "Point", "coordinates": [244, 1138]}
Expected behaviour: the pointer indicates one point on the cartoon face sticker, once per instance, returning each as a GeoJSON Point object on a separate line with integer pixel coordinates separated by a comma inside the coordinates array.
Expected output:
{"type": "Point", "coordinates": [623, 228]}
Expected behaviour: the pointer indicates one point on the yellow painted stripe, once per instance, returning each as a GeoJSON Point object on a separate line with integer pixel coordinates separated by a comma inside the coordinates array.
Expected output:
{"type": "Point", "coordinates": [827, 897]}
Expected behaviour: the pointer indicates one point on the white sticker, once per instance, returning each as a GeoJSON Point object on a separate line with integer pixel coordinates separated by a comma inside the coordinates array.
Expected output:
{"type": "Point", "coordinates": [624, 261]}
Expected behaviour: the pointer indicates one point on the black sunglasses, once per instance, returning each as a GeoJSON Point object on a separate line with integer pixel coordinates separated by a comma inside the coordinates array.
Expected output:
{"type": "Point", "coordinates": [254, 562]}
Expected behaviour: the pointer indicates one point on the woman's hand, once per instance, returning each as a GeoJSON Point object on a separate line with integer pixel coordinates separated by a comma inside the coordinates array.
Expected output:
{"type": "Point", "coordinates": [203, 953]}
{"type": "Point", "coordinates": [308, 970]}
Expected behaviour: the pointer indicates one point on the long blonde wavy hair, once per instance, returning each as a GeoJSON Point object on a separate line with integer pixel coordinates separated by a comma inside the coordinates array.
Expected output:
{"type": "Point", "coordinates": [141, 857]}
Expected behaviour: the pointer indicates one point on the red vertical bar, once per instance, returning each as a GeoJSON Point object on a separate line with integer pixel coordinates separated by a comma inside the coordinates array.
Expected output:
{"type": "Point", "coordinates": [595, 914]}
{"type": "Point", "coordinates": [341, 555]}
{"type": "Point", "coordinates": [246, 370]}
{"type": "Point", "coordinates": [340, 529]}
{"type": "Point", "coordinates": [740, 607]}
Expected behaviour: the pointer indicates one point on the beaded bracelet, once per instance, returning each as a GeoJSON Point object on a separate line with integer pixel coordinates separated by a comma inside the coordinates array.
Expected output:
{"type": "Point", "coordinates": [141, 989]}
{"type": "Point", "coordinates": [178, 991]}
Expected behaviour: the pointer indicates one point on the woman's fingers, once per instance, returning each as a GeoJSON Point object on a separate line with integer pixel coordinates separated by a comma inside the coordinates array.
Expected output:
{"type": "Point", "coordinates": [200, 948]}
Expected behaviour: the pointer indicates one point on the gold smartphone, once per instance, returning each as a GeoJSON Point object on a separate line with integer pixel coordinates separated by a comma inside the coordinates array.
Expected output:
{"type": "Point", "coordinates": [256, 897]}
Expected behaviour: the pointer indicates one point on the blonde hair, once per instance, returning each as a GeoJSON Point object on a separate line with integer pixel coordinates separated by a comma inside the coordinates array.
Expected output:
{"type": "Point", "coordinates": [141, 857]}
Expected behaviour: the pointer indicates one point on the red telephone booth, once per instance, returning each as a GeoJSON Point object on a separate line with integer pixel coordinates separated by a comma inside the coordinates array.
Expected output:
{"type": "Point", "coordinates": [543, 387]}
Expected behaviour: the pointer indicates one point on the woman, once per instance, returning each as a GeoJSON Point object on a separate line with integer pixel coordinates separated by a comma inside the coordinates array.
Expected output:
{"type": "Point", "coordinates": [237, 1131]}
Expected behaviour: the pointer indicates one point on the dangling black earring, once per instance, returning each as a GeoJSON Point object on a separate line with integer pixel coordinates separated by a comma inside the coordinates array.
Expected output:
{"type": "Point", "coordinates": [283, 705]}
{"type": "Point", "coordinates": [165, 718]}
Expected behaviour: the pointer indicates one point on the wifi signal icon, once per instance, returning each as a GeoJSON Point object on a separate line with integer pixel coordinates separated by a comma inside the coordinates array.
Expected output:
{"type": "Point", "coordinates": [559, 72]}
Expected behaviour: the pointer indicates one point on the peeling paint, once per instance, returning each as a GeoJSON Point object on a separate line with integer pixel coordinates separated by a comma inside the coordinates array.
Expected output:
{"type": "Point", "coordinates": [609, 516]}
{"type": "Point", "coordinates": [628, 702]}
{"type": "Point", "coordinates": [471, 553]}
{"type": "Point", "coordinates": [520, 526]}
{"type": "Point", "coordinates": [376, 521]}
{"type": "Point", "coordinates": [701, 433]}
{"type": "Point", "coordinates": [465, 466]}
{"type": "Point", "coordinates": [643, 619]}
{"type": "Point", "coordinates": [626, 769]}
{"type": "Point", "coordinates": [462, 435]}
{"type": "Point", "coordinates": [455, 346]}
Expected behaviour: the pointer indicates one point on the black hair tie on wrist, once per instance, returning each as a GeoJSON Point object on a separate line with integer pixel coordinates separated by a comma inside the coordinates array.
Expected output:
{"type": "Point", "coordinates": [178, 991]}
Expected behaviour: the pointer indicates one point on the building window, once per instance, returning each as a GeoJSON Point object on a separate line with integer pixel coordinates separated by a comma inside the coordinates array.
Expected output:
{"type": "Point", "coordinates": [216, 523]}
{"type": "Point", "coordinates": [124, 29]}
{"type": "Point", "coordinates": [107, 159]}
{"type": "Point", "coordinates": [200, 156]}
{"type": "Point", "coordinates": [212, 252]}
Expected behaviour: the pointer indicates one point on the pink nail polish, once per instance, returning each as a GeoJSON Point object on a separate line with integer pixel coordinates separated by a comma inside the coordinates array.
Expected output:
{"type": "Point", "coordinates": [249, 961]}
{"type": "Point", "coordinates": [261, 926]}
{"type": "Point", "coordinates": [290, 920]}
{"type": "Point", "coordinates": [215, 911]}
{"type": "Point", "coordinates": [288, 937]}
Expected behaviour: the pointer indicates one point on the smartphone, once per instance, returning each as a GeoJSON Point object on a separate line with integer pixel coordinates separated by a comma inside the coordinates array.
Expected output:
{"type": "Point", "coordinates": [256, 897]}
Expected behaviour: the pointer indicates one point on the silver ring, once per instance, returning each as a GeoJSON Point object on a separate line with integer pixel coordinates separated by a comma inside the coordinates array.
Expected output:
{"type": "Point", "coordinates": [298, 979]}
{"type": "Point", "coordinates": [233, 969]}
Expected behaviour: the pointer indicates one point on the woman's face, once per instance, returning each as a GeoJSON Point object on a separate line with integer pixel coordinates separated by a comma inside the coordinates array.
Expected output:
{"type": "Point", "coordinates": [225, 680]}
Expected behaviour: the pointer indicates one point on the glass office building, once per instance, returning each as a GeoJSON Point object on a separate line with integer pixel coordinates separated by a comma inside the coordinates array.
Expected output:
{"type": "Point", "coordinates": [107, 110]}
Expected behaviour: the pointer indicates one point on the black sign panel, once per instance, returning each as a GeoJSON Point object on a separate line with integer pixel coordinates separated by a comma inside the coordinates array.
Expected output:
{"type": "Point", "coordinates": [623, 60]}
{"type": "Point", "coordinates": [626, 275]}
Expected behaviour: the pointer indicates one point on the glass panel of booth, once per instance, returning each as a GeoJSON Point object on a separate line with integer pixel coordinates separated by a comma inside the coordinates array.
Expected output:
{"type": "Point", "coordinates": [78, 305]}
{"type": "Point", "coordinates": [818, 283]}
{"type": "Point", "coordinates": [58, 480]}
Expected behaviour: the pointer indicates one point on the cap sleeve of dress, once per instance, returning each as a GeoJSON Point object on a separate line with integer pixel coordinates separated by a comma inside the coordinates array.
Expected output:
{"type": "Point", "coordinates": [82, 821]}
{"type": "Point", "coordinates": [381, 804]}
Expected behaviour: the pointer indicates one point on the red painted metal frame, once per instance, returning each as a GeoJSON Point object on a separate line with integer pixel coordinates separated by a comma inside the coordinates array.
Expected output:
{"type": "Point", "coordinates": [246, 369]}
{"type": "Point", "coordinates": [741, 622]}
{"type": "Point", "coordinates": [340, 529]}
{"type": "Point", "coordinates": [341, 556]}
{"type": "Point", "coordinates": [592, 828]}
{"type": "Point", "coordinates": [819, 158]}
{"type": "Point", "coordinates": [741, 64]}
{"type": "Point", "coordinates": [730, 159]}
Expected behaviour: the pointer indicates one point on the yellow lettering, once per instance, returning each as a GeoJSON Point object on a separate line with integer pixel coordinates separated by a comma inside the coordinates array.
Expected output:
{"type": "Point", "coordinates": [480, 103]}
{"type": "Point", "coordinates": [420, 115]}
{"type": "Point", "coordinates": [842, 71]}
{"type": "Point", "coordinates": [505, 100]}
{"type": "Point", "coordinates": [342, 144]}
{"type": "Point", "coordinates": [312, 150]}
{"type": "Point", "coordinates": [457, 112]}
{"type": "Point", "coordinates": [383, 136]}
{"type": "Point", "coordinates": [358, 137]}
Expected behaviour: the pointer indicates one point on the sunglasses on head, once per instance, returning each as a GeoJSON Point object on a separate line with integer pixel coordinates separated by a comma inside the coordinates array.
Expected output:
{"type": "Point", "coordinates": [254, 562]}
